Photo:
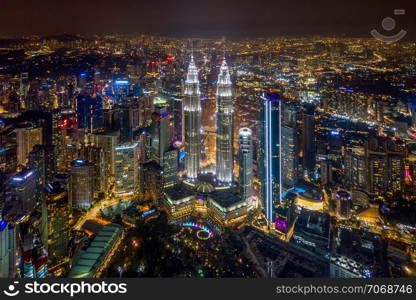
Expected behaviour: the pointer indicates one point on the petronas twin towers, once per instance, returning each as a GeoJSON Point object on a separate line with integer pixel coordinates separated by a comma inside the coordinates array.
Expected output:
{"type": "Point", "coordinates": [224, 127]}
{"type": "Point", "coordinates": [192, 115]}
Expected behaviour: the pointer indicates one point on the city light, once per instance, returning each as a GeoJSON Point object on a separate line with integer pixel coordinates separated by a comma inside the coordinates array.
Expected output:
{"type": "Point", "coordinates": [143, 155]}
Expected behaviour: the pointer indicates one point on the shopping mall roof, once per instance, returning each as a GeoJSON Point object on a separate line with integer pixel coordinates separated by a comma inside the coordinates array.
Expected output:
{"type": "Point", "coordinates": [90, 259]}
{"type": "Point", "coordinates": [225, 197]}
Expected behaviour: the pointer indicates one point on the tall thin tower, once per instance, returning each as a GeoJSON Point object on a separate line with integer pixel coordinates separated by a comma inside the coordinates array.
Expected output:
{"type": "Point", "coordinates": [271, 153]}
{"type": "Point", "coordinates": [192, 115]}
{"type": "Point", "coordinates": [224, 127]}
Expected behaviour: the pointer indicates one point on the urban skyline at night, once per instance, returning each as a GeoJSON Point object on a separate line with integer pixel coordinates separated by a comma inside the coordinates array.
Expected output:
{"type": "Point", "coordinates": [196, 155]}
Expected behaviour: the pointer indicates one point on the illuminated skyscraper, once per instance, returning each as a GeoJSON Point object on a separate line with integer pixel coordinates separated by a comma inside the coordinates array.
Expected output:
{"type": "Point", "coordinates": [170, 167]}
{"type": "Point", "coordinates": [26, 139]}
{"type": "Point", "coordinates": [58, 213]}
{"type": "Point", "coordinates": [160, 135]}
{"type": "Point", "coordinates": [8, 253]}
{"type": "Point", "coordinates": [24, 89]}
{"type": "Point", "coordinates": [126, 169]}
{"type": "Point", "coordinates": [192, 115]}
{"type": "Point", "coordinates": [289, 145]}
{"type": "Point", "coordinates": [224, 126]}
{"type": "Point", "coordinates": [108, 142]}
{"type": "Point", "coordinates": [145, 109]}
{"type": "Point", "coordinates": [95, 156]}
{"type": "Point", "coordinates": [246, 162]}
{"type": "Point", "coordinates": [26, 190]}
{"type": "Point", "coordinates": [42, 159]}
{"type": "Point", "coordinates": [270, 153]}
{"type": "Point", "coordinates": [384, 166]}
{"type": "Point", "coordinates": [81, 184]}
{"type": "Point", "coordinates": [355, 168]}
{"type": "Point", "coordinates": [151, 182]}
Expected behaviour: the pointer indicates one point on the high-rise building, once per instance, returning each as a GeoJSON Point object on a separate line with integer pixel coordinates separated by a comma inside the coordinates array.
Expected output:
{"type": "Point", "coordinates": [289, 156]}
{"type": "Point", "coordinates": [170, 167]}
{"type": "Point", "coordinates": [246, 162]}
{"type": "Point", "coordinates": [89, 111]}
{"type": "Point", "coordinates": [120, 119]}
{"type": "Point", "coordinates": [192, 128]}
{"type": "Point", "coordinates": [57, 123]}
{"type": "Point", "coordinates": [81, 184]}
{"type": "Point", "coordinates": [8, 249]}
{"type": "Point", "coordinates": [151, 182]}
{"type": "Point", "coordinates": [396, 171]}
{"type": "Point", "coordinates": [95, 156]}
{"type": "Point", "coordinates": [108, 142]}
{"type": "Point", "coordinates": [126, 172]}
{"type": "Point", "coordinates": [355, 169]}
{"type": "Point", "coordinates": [270, 153]}
{"type": "Point", "coordinates": [224, 164]}
{"type": "Point", "coordinates": [24, 89]}
{"type": "Point", "coordinates": [384, 165]}
{"type": "Point", "coordinates": [26, 139]}
{"type": "Point", "coordinates": [145, 145]}
{"type": "Point", "coordinates": [176, 104]}
{"type": "Point", "coordinates": [160, 141]}
{"type": "Point", "coordinates": [308, 139]}
{"type": "Point", "coordinates": [26, 187]}
{"type": "Point", "coordinates": [42, 159]}
{"type": "Point", "coordinates": [376, 165]}
{"type": "Point", "coordinates": [58, 213]}
{"type": "Point", "coordinates": [145, 109]}
{"type": "Point", "coordinates": [66, 155]}
{"type": "Point", "coordinates": [290, 148]}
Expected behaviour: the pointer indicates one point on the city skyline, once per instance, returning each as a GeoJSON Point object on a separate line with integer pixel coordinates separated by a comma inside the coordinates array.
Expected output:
{"type": "Point", "coordinates": [151, 156]}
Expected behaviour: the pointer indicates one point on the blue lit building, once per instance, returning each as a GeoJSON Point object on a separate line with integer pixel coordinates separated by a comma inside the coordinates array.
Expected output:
{"type": "Point", "coordinates": [270, 153]}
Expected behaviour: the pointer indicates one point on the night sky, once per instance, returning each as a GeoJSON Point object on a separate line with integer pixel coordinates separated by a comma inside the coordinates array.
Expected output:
{"type": "Point", "coordinates": [203, 18]}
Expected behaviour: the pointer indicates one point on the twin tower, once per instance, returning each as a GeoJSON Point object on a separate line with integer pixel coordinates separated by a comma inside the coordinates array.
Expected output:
{"type": "Point", "coordinates": [192, 128]}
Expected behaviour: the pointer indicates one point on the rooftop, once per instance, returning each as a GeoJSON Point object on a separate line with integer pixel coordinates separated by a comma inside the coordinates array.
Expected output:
{"type": "Point", "coordinates": [179, 191]}
{"type": "Point", "coordinates": [90, 259]}
{"type": "Point", "coordinates": [225, 197]}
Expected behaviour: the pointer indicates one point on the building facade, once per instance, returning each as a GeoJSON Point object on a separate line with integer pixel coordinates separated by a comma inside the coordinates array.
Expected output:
{"type": "Point", "coordinates": [192, 126]}
{"type": "Point", "coordinates": [224, 163]}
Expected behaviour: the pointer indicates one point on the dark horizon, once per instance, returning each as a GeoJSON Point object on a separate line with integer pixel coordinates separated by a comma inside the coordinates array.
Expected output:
{"type": "Point", "coordinates": [186, 18]}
